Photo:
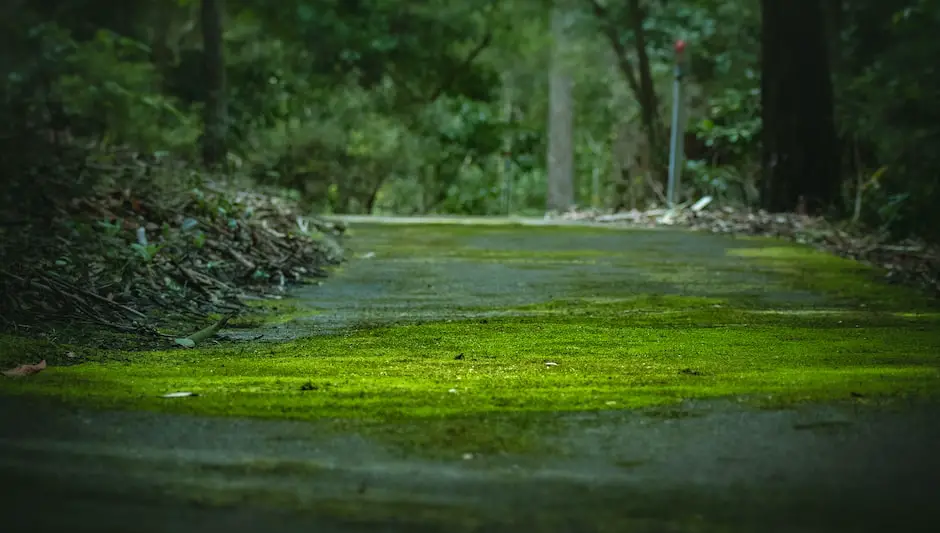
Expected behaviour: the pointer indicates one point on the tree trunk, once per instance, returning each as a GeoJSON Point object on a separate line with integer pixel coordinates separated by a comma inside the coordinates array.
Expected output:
{"type": "Point", "coordinates": [834, 17]}
{"type": "Point", "coordinates": [505, 166]}
{"type": "Point", "coordinates": [649, 103]}
{"type": "Point", "coordinates": [215, 120]}
{"type": "Point", "coordinates": [800, 157]}
{"type": "Point", "coordinates": [639, 80]}
{"type": "Point", "coordinates": [560, 194]}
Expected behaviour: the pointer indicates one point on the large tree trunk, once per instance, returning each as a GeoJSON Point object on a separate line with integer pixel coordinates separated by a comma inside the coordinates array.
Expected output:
{"type": "Point", "coordinates": [215, 117]}
{"type": "Point", "coordinates": [560, 195]}
{"type": "Point", "coordinates": [800, 156]}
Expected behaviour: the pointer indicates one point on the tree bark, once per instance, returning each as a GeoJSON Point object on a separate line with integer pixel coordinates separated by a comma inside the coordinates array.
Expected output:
{"type": "Point", "coordinates": [215, 117]}
{"type": "Point", "coordinates": [649, 103]}
{"type": "Point", "coordinates": [639, 80]}
{"type": "Point", "coordinates": [834, 17]}
{"type": "Point", "coordinates": [800, 158]}
{"type": "Point", "coordinates": [560, 194]}
{"type": "Point", "coordinates": [505, 172]}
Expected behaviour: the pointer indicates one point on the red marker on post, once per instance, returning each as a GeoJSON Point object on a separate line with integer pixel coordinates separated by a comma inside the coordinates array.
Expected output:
{"type": "Point", "coordinates": [679, 47]}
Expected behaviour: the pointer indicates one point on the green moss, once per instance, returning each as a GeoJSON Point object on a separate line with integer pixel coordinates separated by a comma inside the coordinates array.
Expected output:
{"type": "Point", "coordinates": [269, 313]}
{"type": "Point", "coordinates": [666, 325]}
{"type": "Point", "coordinates": [18, 349]}
{"type": "Point", "coordinates": [650, 302]}
{"type": "Point", "coordinates": [15, 349]}
{"type": "Point", "coordinates": [670, 413]}
{"type": "Point", "coordinates": [843, 280]}
{"type": "Point", "coordinates": [410, 373]}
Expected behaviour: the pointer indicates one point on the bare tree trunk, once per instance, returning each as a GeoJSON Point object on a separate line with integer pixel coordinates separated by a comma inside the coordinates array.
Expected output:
{"type": "Point", "coordinates": [649, 103]}
{"type": "Point", "coordinates": [560, 195]}
{"type": "Point", "coordinates": [639, 79]}
{"type": "Point", "coordinates": [800, 155]}
{"type": "Point", "coordinates": [215, 119]}
{"type": "Point", "coordinates": [505, 164]}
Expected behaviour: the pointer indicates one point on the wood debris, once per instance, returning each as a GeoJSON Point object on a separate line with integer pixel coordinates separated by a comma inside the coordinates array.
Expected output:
{"type": "Point", "coordinates": [124, 256]}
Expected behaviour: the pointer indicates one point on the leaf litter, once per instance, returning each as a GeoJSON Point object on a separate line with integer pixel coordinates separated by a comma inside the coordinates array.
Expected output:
{"type": "Point", "coordinates": [910, 261]}
{"type": "Point", "coordinates": [25, 370]}
{"type": "Point", "coordinates": [133, 255]}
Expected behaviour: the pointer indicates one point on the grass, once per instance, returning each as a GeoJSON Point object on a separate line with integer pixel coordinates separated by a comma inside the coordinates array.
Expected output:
{"type": "Point", "coordinates": [485, 385]}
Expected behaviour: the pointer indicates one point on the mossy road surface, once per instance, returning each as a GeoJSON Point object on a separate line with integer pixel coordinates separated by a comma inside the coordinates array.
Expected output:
{"type": "Point", "coordinates": [494, 377]}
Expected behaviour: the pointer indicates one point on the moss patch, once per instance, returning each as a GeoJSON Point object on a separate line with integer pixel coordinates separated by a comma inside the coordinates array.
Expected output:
{"type": "Point", "coordinates": [842, 280]}
{"type": "Point", "coordinates": [676, 316]}
{"type": "Point", "coordinates": [269, 313]}
{"type": "Point", "coordinates": [463, 373]}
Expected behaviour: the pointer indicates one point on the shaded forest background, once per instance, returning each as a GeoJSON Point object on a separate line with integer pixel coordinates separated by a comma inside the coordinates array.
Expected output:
{"type": "Point", "coordinates": [160, 157]}
{"type": "Point", "coordinates": [397, 107]}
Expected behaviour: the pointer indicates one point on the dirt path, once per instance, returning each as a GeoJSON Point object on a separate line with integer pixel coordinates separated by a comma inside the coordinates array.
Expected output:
{"type": "Point", "coordinates": [705, 465]}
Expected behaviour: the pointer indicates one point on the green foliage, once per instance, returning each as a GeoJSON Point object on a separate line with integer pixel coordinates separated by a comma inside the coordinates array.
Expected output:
{"type": "Point", "coordinates": [890, 104]}
{"type": "Point", "coordinates": [736, 123]}
{"type": "Point", "coordinates": [728, 184]}
{"type": "Point", "coordinates": [112, 79]}
{"type": "Point", "coordinates": [105, 89]}
{"type": "Point", "coordinates": [379, 105]}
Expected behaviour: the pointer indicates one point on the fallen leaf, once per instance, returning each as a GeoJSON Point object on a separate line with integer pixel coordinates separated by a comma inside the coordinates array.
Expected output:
{"type": "Point", "coordinates": [701, 204]}
{"type": "Point", "coordinates": [189, 223]}
{"type": "Point", "coordinates": [25, 370]}
{"type": "Point", "coordinates": [204, 333]}
{"type": "Point", "coordinates": [179, 394]}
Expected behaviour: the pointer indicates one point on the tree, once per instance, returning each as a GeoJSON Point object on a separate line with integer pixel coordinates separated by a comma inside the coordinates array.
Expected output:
{"type": "Point", "coordinates": [800, 156]}
{"type": "Point", "coordinates": [215, 116]}
{"type": "Point", "coordinates": [560, 122]}
{"type": "Point", "coordinates": [629, 20]}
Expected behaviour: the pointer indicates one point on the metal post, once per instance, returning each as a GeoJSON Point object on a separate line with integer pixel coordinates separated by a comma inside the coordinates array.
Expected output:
{"type": "Point", "coordinates": [596, 187]}
{"type": "Point", "coordinates": [507, 188]}
{"type": "Point", "coordinates": [676, 138]}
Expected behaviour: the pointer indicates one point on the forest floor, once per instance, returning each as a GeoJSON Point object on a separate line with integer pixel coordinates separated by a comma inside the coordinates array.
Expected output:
{"type": "Point", "coordinates": [504, 377]}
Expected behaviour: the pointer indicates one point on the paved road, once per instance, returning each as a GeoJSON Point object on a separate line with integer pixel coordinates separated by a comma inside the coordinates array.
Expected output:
{"type": "Point", "coordinates": [702, 466]}
{"type": "Point", "coordinates": [717, 468]}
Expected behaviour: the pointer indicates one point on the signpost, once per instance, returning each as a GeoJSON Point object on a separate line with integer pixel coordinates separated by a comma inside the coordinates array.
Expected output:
{"type": "Point", "coordinates": [675, 141]}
